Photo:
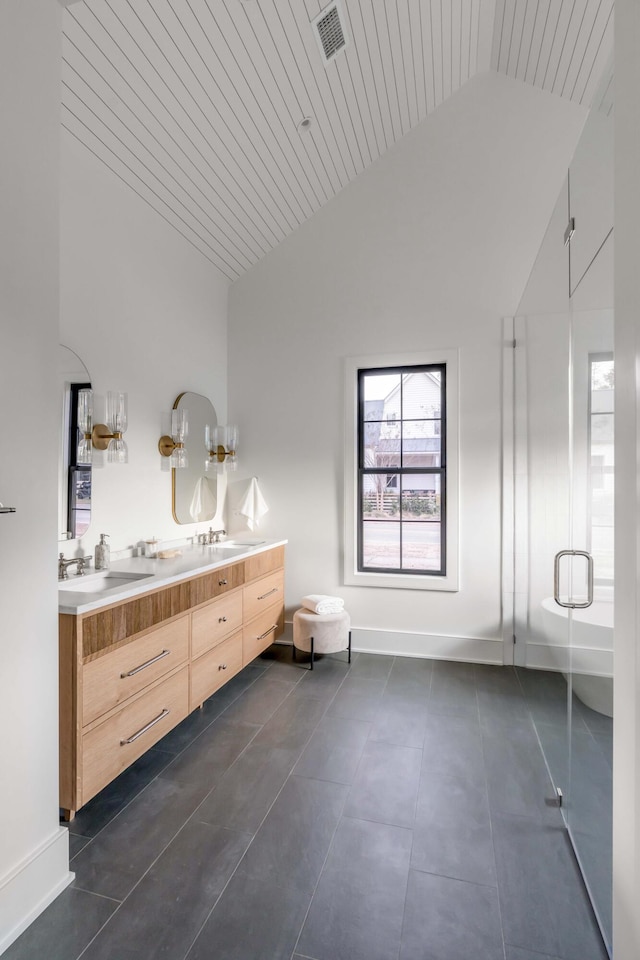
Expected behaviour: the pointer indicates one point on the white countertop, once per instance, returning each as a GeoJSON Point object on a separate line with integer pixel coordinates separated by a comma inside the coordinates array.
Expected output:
{"type": "Point", "coordinates": [195, 559]}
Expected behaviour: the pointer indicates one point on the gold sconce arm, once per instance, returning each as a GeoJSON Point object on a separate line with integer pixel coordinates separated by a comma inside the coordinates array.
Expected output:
{"type": "Point", "coordinates": [166, 445]}
{"type": "Point", "coordinates": [220, 454]}
{"type": "Point", "coordinates": [101, 435]}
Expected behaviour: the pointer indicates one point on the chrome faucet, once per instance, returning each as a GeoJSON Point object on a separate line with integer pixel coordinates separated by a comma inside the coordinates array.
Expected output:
{"type": "Point", "coordinates": [213, 536]}
{"type": "Point", "coordinates": [63, 566]}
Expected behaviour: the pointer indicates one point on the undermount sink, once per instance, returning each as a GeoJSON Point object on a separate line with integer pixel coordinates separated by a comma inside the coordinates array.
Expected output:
{"type": "Point", "coordinates": [100, 582]}
{"type": "Point", "coordinates": [236, 545]}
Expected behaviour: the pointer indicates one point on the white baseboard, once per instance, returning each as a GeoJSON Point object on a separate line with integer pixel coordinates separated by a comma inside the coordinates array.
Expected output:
{"type": "Point", "coordinates": [397, 643]}
{"type": "Point", "coordinates": [32, 885]}
{"type": "Point", "coordinates": [587, 660]}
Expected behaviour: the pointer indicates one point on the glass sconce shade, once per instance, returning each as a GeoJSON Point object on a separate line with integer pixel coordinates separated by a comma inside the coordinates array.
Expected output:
{"type": "Point", "coordinates": [85, 426]}
{"type": "Point", "coordinates": [179, 433]}
{"type": "Point", "coordinates": [174, 446]}
{"type": "Point", "coordinates": [222, 444]}
{"type": "Point", "coordinates": [117, 423]}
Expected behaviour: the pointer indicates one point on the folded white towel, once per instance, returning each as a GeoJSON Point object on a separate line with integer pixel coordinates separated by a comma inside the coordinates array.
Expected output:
{"type": "Point", "coordinates": [321, 603]}
{"type": "Point", "coordinates": [253, 505]}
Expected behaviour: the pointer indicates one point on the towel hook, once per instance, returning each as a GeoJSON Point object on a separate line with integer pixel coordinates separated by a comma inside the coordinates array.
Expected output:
{"type": "Point", "coordinates": [7, 509]}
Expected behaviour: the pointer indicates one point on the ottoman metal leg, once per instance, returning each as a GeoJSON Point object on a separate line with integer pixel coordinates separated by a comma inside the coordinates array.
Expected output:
{"type": "Point", "coordinates": [311, 640]}
{"type": "Point", "coordinates": [349, 660]}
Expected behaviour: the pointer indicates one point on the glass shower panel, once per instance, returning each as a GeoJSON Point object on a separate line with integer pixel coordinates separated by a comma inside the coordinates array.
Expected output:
{"type": "Point", "coordinates": [588, 812]}
{"type": "Point", "coordinates": [542, 491]}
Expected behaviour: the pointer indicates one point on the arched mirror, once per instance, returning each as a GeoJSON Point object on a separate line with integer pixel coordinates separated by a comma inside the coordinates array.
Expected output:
{"type": "Point", "coordinates": [195, 490]}
{"type": "Point", "coordinates": [74, 479]}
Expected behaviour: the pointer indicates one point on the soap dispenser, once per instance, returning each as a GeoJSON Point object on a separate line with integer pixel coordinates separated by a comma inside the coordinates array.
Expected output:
{"type": "Point", "coordinates": [102, 553]}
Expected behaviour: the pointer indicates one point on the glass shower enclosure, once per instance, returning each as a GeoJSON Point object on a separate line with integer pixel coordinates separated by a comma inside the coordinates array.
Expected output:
{"type": "Point", "coordinates": [560, 375]}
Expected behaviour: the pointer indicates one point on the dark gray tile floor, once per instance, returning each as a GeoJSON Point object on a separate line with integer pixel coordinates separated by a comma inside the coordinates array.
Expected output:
{"type": "Point", "coordinates": [393, 809]}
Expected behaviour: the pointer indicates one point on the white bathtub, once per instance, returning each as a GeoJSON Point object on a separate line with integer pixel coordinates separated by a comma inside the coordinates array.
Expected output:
{"type": "Point", "coordinates": [589, 655]}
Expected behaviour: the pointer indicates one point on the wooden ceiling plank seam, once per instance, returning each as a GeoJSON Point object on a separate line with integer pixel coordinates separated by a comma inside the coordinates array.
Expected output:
{"type": "Point", "coordinates": [417, 53]}
{"type": "Point", "coordinates": [553, 48]}
{"type": "Point", "coordinates": [498, 34]}
{"type": "Point", "coordinates": [233, 243]}
{"type": "Point", "coordinates": [427, 47]}
{"type": "Point", "coordinates": [312, 8]}
{"type": "Point", "coordinates": [133, 155]}
{"type": "Point", "coordinates": [388, 72]}
{"type": "Point", "coordinates": [447, 48]}
{"type": "Point", "coordinates": [257, 230]}
{"type": "Point", "coordinates": [283, 85]}
{"type": "Point", "coordinates": [456, 41]}
{"type": "Point", "coordinates": [246, 117]}
{"type": "Point", "coordinates": [507, 37]}
{"type": "Point", "coordinates": [101, 159]}
{"type": "Point", "coordinates": [289, 27]}
{"type": "Point", "coordinates": [436, 47]}
{"type": "Point", "coordinates": [569, 41]}
{"type": "Point", "coordinates": [474, 33]}
{"type": "Point", "coordinates": [261, 211]}
{"type": "Point", "coordinates": [287, 212]}
{"type": "Point", "coordinates": [324, 124]}
{"type": "Point", "coordinates": [363, 131]}
{"type": "Point", "coordinates": [465, 40]}
{"type": "Point", "coordinates": [542, 41]}
{"type": "Point", "coordinates": [593, 45]}
{"type": "Point", "coordinates": [580, 47]}
{"type": "Point", "coordinates": [334, 76]}
{"type": "Point", "coordinates": [524, 30]}
{"type": "Point", "coordinates": [600, 59]}
{"type": "Point", "coordinates": [361, 91]}
{"type": "Point", "coordinates": [404, 28]}
{"type": "Point", "coordinates": [532, 27]}
{"type": "Point", "coordinates": [397, 62]}
{"type": "Point", "coordinates": [229, 271]}
{"type": "Point", "coordinates": [370, 44]}
{"type": "Point", "coordinates": [257, 77]}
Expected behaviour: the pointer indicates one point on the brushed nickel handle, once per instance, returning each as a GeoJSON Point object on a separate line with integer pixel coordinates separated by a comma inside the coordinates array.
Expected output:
{"type": "Point", "coordinates": [275, 590]}
{"type": "Point", "coordinates": [222, 666]}
{"type": "Point", "coordinates": [222, 619]}
{"type": "Point", "coordinates": [569, 603]}
{"type": "Point", "coordinates": [148, 726]}
{"type": "Point", "coordinates": [222, 583]}
{"type": "Point", "coordinates": [143, 666]}
{"type": "Point", "coordinates": [267, 632]}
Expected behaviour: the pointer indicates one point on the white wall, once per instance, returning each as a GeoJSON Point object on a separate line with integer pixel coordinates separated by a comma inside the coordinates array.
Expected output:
{"type": "Point", "coordinates": [33, 847]}
{"type": "Point", "coordinates": [428, 249]}
{"type": "Point", "coordinates": [148, 315]}
{"type": "Point", "coordinates": [626, 745]}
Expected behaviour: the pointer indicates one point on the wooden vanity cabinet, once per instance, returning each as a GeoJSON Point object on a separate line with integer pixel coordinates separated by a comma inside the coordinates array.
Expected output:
{"type": "Point", "coordinates": [132, 671]}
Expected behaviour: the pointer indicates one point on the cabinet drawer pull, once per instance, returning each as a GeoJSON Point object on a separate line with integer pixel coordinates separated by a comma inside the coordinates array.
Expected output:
{"type": "Point", "coordinates": [275, 590]}
{"type": "Point", "coordinates": [222, 583]}
{"type": "Point", "coordinates": [143, 666]}
{"type": "Point", "coordinates": [267, 632]}
{"type": "Point", "coordinates": [222, 619]}
{"type": "Point", "coordinates": [151, 723]}
{"type": "Point", "coordinates": [222, 666]}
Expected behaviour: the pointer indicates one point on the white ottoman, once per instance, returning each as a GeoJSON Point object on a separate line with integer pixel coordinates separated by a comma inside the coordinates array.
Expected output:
{"type": "Point", "coordinates": [321, 633]}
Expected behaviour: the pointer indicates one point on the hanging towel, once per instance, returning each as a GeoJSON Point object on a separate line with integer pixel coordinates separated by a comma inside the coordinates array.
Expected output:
{"type": "Point", "coordinates": [203, 501]}
{"type": "Point", "coordinates": [320, 603]}
{"type": "Point", "coordinates": [253, 505]}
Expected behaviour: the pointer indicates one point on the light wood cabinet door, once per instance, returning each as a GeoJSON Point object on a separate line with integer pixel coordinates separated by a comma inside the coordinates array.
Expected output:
{"type": "Point", "coordinates": [261, 632]}
{"type": "Point", "coordinates": [121, 673]}
{"type": "Point", "coordinates": [111, 746]}
{"type": "Point", "coordinates": [211, 624]}
{"type": "Point", "coordinates": [264, 593]}
{"type": "Point", "coordinates": [212, 670]}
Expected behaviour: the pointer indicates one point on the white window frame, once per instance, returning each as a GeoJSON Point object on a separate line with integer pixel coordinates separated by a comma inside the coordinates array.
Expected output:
{"type": "Point", "coordinates": [450, 582]}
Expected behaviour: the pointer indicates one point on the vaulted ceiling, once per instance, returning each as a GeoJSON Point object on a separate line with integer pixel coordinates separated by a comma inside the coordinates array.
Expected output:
{"type": "Point", "coordinates": [198, 105]}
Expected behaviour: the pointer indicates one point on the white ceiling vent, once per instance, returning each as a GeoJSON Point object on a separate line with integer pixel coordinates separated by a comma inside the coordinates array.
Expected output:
{"type": "Point", "coordinates": [330, 32]}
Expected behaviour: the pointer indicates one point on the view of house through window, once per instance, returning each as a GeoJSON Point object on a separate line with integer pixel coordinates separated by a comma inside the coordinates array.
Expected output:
{"type": "Point", "coordinates": [401, 467]}
{"type": "Point", "coordinates": [601, 467]}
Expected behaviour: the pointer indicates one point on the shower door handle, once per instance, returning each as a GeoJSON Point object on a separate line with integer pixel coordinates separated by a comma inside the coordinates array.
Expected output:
{"type": "Point", "coordinates": [572, 604]}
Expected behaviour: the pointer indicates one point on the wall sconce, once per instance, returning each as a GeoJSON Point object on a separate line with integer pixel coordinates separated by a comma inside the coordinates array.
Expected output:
{"type": "Point", "coordinates": [221, 444]}
{"type": "Point", "coordinates": [102, 436]}
{"type": "Point", "coordinates": [173, 446]}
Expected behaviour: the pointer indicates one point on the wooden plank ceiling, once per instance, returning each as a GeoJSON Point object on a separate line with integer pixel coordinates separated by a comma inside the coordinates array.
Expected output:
{"type": "Point", "coordinates": [196, 104]}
